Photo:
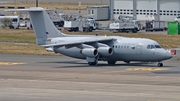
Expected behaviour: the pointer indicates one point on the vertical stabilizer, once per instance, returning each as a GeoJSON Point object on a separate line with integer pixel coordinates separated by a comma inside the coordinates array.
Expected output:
{"type": "Point", "coordinates": [43, 26]}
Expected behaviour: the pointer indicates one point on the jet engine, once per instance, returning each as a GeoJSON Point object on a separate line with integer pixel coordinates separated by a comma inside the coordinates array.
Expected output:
{"type": "Point", "coordinates": [89, 52]}
{"type": "Point", "coordinates": [105, 51]}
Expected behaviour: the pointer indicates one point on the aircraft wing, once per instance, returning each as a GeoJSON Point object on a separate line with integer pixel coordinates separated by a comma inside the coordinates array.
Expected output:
{"type": "Point", "coordinates": [77, 42]}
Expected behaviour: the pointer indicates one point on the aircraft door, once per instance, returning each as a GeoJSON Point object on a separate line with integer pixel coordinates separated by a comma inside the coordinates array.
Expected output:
{"type": "Point", "coordinates": [138, 49]}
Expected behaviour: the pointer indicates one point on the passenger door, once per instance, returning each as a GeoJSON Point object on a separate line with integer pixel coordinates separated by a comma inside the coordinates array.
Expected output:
{"type": "Point", "coordinates": [138, 49]}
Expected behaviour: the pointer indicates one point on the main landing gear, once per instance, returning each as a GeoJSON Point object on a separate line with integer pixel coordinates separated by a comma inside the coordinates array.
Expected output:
{"type": "Point", "coordinates": [92, 63]}
{"type": "Point", "coordinates": [111, 62]}
{"type": "Point", "coordinates": [160, 64]}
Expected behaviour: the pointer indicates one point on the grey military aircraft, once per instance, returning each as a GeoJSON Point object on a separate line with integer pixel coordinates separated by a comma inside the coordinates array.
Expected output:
{"type": "Point", "coordinates": [94, 48]}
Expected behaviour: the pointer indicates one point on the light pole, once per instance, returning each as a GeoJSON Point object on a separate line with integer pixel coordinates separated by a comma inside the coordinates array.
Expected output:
{"type": "Point", "coordinates": [14, 2]}
{"type": "Point", "coordinates": [36, 3]}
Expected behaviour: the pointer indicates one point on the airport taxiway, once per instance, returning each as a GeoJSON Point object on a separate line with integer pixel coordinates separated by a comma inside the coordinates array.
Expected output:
{"type": "Point", "coordinates": [60, 78]}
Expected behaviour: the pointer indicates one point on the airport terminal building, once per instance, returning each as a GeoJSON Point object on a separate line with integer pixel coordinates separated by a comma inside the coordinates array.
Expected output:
{"type": "Point", "coordinates": [165, 10]}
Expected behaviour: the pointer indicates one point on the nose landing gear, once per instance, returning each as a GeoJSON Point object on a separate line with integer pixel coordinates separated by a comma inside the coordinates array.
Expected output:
{"type": "Point", "coordinates": [160, 64]}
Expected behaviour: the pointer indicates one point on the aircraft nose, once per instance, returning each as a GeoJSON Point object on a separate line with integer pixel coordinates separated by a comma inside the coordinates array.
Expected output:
{"type": "Point", "coordinates": [167, 55]}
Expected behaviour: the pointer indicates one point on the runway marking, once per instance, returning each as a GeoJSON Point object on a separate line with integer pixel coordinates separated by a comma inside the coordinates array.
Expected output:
{"type": "Point", "coordinates": [146, 69]}
{"type": "Point", "coordinates": [11, 63]}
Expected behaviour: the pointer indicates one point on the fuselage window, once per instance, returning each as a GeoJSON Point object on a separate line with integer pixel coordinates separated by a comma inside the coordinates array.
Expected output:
{"type": "Point", "coordinates": [121, 46]}
{"type": "Point", "coordinates": [127, 46]}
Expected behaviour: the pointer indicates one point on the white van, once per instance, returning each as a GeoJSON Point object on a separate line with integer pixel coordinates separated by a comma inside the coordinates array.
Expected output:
{"type": "Point", "coordinates": [15, 21]}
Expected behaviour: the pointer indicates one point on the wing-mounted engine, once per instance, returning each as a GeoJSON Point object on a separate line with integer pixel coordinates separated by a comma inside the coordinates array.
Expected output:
{"type": "Point", "coordinates": [105, 51]}
{"type": "Point", "coordinates": [102, 49]}
{"type": "Point", "coordinates": [90, 52]}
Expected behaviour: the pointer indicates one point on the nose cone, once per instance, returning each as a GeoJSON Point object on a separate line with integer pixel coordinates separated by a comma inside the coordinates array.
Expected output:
{"type": "Point", "coordinates": [167, 55]}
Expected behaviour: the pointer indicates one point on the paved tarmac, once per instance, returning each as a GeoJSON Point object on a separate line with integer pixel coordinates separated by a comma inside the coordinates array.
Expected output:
{"type": "Point", "coordinates": [60, 78]}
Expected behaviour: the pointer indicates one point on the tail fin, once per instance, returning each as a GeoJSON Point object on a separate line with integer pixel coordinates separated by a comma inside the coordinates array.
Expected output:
{"type": "Point", "coordinates": [42, 25]}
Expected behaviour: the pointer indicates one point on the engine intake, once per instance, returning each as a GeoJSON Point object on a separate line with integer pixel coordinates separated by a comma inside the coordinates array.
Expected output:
{"type": "Point", "coordinates": [89, 52]}
{"type": "Point", "coordinates": [105, 51]}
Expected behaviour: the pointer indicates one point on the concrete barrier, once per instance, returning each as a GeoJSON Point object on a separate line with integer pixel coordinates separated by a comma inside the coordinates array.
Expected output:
{"type": "Point", "coordinates": [1, 7]}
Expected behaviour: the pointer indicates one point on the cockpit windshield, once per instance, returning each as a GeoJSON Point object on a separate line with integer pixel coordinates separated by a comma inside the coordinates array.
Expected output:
{"type": "Point", "coordinates": [153, 46]}
{"type": "Point", "coordinates": [157, 46]}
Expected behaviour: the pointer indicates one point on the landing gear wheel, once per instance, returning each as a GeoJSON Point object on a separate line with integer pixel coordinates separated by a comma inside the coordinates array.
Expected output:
{"type": "Point", "coordinates": [92, 63]}
{"type": "Point", "coordinates": [111, 62]}
{"type": "Point", "coordinates": [160, 65]}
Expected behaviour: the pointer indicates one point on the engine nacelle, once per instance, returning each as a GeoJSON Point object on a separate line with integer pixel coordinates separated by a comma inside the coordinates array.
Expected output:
{"type": "Point", "coordinates": [89, 52]}
{"type": "Point", "coordinates": [105, 51]}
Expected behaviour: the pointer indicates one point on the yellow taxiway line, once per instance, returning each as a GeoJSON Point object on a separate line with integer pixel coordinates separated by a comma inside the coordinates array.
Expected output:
{"type": "Point", "coordinates": [146, 69]}
{"type": "Point", "coordinates": [11, 63]}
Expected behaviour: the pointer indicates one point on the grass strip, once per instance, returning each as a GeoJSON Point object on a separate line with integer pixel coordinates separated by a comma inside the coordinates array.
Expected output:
{"type": "Point", "coordinates": [22, 49]}
{"type": "Point", "coordinates": [28, 36]}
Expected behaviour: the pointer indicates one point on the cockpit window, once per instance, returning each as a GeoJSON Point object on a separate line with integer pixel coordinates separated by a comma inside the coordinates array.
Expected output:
{"type": "Point", "coordinates": [151, 47]}
{"type": "Point", "coordinates": [157, 46]}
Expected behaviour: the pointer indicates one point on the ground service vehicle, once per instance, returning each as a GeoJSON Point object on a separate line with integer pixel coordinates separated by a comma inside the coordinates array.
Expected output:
{"type": "Point", "coordinates": [56, 18]}
{"type": "Point", "coordinates": [126, 26]}
{"type": "Point", "coordinates": [15, 21]}
{"type": "Point", "coordinates": [155, 26]}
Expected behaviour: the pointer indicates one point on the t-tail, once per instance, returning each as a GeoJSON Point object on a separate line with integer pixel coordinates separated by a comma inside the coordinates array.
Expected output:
{"type": "Point", "coordinates": [42, 25]}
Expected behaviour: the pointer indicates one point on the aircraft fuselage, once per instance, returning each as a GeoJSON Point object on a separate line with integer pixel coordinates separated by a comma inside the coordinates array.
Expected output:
{"type": "Point", "coordinates": [124, 49]}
